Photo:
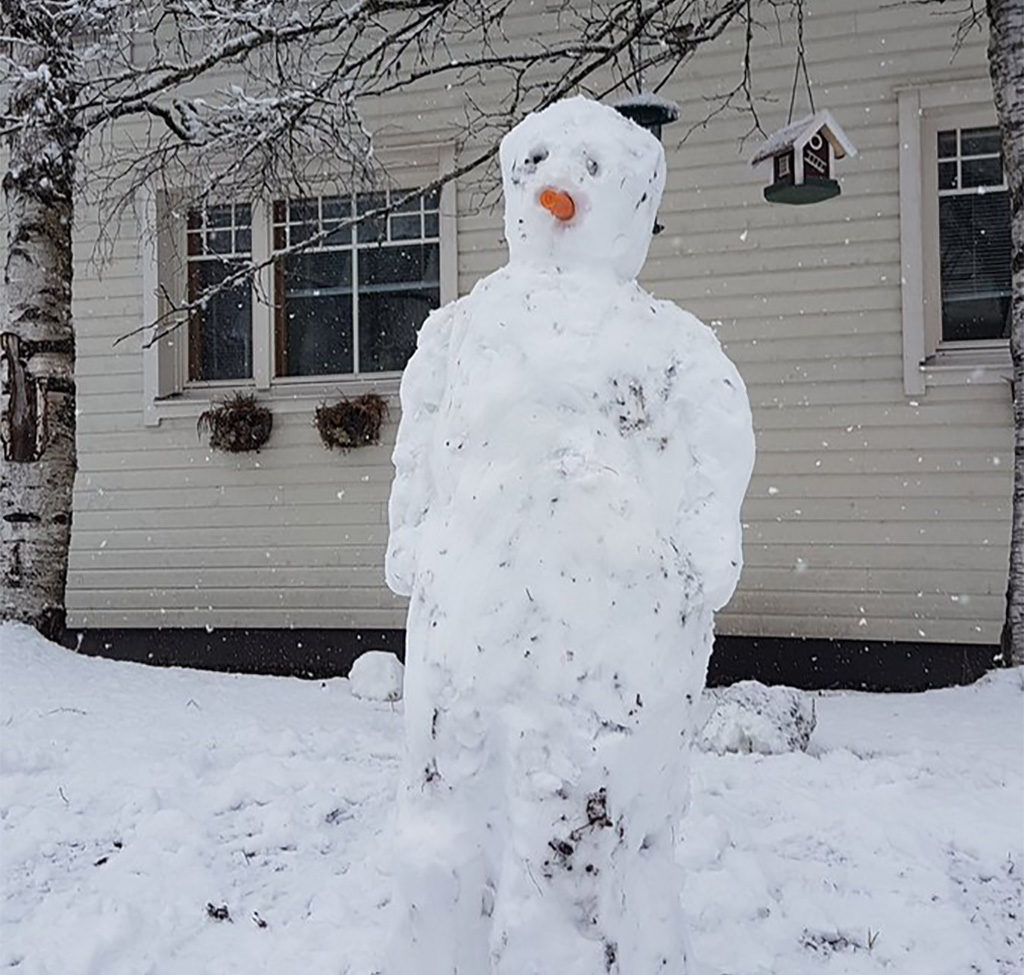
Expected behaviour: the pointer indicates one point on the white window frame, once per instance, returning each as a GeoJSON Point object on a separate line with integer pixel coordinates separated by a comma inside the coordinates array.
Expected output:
{"type": "Point", "coordinates": [924, 110]}
{"type": "Point", "coordinates": [167, 391]}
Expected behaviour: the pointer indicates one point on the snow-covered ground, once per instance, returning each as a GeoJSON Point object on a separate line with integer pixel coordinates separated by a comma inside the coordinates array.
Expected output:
{"type": "Point", "coordinates": [137, 803]}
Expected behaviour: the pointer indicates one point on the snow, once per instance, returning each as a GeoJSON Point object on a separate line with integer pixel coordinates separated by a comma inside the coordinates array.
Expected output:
{"type": "Point", "coordinates": [615, 172]}
{"type": "Point", "coordinates": [570, 466]}
{"type": "Point", "coordinates": [377, 676]}
{"type": "Point", "coordinates": [750, 717]}
{"type": "Point", "coordinates": [648, 99]}
{"type": "Point", "coordinates": [132, 797]}
{"type": "Point", "coordinates": [796, 134]}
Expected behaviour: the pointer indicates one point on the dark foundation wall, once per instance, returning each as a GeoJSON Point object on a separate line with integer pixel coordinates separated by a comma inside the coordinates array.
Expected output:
{"type": "Point", "coordinates": [809, 664]}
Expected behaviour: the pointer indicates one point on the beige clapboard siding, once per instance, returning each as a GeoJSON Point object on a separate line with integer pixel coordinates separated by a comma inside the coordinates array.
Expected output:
{"type": "Point", "coordinates": [196, 596]}
{"type": "Point", "coordinates": [331, 519]}
{"type": "Point", "coordinates": [336, 616]}
{"type": "Point", "coordinates": [112, 538]}
{"type": "Point", "coordinates": [335, 475]}
{"type": "Point", "coordinates": [907, 463]}
{"type": "Point", "coordinates": [343, 558]}
{"type": "Point", "coordinates": [798, 557]}
{"type": "Point", "coordinates": [160, 578]}
{"type": "Point", "coordinates": [860, 500]}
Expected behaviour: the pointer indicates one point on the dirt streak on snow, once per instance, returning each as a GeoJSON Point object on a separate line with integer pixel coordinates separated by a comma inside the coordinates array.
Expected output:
{"type": "Point", "coordinates": [134, 797]}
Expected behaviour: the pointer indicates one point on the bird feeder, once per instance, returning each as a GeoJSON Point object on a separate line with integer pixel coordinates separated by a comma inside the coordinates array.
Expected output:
{"type": "Point", "coordinates": [803, 156]}
{"type": "Point", "coordinates": [648, 110]}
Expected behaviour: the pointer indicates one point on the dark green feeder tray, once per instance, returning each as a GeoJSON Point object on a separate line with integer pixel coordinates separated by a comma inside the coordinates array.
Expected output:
{"type": "Point", "coordinates": [811, 190]}
{"type": "Point", "coordinates": [649, 111]}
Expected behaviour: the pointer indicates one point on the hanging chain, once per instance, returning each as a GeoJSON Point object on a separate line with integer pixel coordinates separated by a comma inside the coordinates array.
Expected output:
{"type": "Point", "coordinates": [801, 63]}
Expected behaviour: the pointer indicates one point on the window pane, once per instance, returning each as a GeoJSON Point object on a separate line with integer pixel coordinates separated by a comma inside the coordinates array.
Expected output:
{"type": "Point", "coordinates": [218, 216]}
{"type": "Point", "coordinates": [974, 238]}
{"type": "Point", "coordinates": [978, 142]}
{"type": "Point", "coordinates": [303, 211]}
{"type": "Point", "coordinates": [221, 331]}
{"type": "Point", "coordinates": [411, 264]}
{"type": "Point", "coordinates": [388, 323]}
{"type": "Point", "coordinates": [338, 235]}
{"type": "Point", "coordinates": [947, 144]}
{"type": "Point", "coordinates": [411, 205]}
{"type": "Point", "coordinates": [430, 225]}
{"type": "Point", "coordinates": [432, 199]}
{"type": "Point", "coordinates": [337, 214]}
{"type": "Point", "coordinates": [947, 175]}
{"type": "Point", "coordinates": [298, 232]}
{"type": "Point", "coordinates": [218, 242]}
{"type": "Point", "coordinates": [375, 228]}
{"type": "Point", "coordinates": [315, 320]}
{"type": "Point", "coordinates": [371, 201]}
{"type": "Point", "coordinates": [970, 319]}
{"type": "Point", "coordinates": [405, 227]}
{"type": "Point", "coordinates": [982, 172]}
{"type": "Point", "coordinates": [337, 207]}
{"type": "Point", "coordinates": [398, 288]}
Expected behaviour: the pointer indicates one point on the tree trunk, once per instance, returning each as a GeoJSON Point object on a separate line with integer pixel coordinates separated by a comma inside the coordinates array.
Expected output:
{"type": "Point", "coordinates": [1006, 65]}
{"type": "Point", "coordinates": [37, 347]}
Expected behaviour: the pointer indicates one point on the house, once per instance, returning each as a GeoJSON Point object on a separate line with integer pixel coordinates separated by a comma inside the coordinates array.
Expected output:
{"type": "Point", "coordinates": [870, 330]}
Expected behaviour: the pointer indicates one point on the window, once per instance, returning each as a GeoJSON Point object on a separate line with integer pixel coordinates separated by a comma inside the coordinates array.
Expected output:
{"type": "Point", "coordinates": [353, 303]}
{"type": "Point", "coordinates": [346, 311]}
{"type": "Point", "coordinates": [974, 235]}
{"type": "Point", "coordinates": [219, 244]}
{"type": "Point", "coordinates": [954, 237]}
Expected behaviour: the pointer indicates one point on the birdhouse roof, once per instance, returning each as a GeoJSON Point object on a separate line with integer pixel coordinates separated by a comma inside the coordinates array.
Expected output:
{"type": "Point", "coordinates": [796, 135]}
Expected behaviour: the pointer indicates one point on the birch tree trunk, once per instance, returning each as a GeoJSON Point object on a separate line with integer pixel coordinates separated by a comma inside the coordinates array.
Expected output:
{"type": "Point", "coordinates": [1006, 65]}
{"type": "Point", "coordinates": [37, 349]}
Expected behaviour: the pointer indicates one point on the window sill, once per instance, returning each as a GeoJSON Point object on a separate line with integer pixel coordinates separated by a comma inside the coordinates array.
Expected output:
{"type": "Point", "coordinates": [289, 395]}
{"type": "Point", "coordinates": [964, 364]}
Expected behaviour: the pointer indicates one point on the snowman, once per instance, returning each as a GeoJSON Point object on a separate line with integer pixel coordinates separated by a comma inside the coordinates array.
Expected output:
{"type": "Point", "coordinates": [570, 465]}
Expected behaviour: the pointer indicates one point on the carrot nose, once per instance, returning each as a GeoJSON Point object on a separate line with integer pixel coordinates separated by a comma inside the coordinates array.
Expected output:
{"type": "Point", "coordinates": [558, 203]}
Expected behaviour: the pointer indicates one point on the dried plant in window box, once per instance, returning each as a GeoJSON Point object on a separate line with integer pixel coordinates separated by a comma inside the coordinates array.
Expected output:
{"type": "Point", "coordinates": [237, 424]}
{"type": "Point", "coordinates": [351, 422]}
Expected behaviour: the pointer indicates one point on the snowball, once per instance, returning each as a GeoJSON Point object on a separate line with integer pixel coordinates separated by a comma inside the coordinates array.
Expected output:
{"type": "Point", "coordinates": [613, 170]}
{"type": "Point", "coordinates": [377, 676]}
{"type": "Point", "coordinates": [750, 717]}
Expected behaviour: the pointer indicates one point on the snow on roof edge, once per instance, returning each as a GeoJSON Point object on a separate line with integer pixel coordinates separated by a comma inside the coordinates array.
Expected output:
{"type": "Point", "coordinates": [648, 99]}
{"type": "Point", "coordinates": [796, 134]}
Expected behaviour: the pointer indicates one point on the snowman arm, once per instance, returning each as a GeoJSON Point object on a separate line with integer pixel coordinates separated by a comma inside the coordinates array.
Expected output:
{"type": "Point", "coordinates": [412, 491]}
{"type": "Point", "coordinates": [712, 407]}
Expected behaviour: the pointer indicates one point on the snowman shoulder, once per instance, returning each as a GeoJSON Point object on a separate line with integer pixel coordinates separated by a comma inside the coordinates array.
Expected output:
{"type": "Point", "coordinates": [686, 328]}
{"type": "Point", "coordinates": [699, 370]}
{"type": "Point", "coordinates": [425, 373]}
{"type": "Point", "coordinates": [437, 325]}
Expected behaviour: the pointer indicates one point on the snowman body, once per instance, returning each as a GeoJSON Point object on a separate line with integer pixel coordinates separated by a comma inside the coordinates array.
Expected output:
{"type": "Point", "coordinates": [565, 519]}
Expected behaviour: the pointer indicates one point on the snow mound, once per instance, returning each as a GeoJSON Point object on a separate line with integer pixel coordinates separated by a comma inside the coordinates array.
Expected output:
{"type": "Point", "coordinates": [377, 676]}
{"type": "Point", "coordinates": [133, 796]}
{"type": "Point", "coordinates": [750, 717]}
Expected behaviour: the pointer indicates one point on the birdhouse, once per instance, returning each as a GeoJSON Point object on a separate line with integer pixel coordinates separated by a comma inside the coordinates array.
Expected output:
{"type": "Point", "coordinates": [649, 111]}
{"type": "Point", "coordinates": [803, 156]}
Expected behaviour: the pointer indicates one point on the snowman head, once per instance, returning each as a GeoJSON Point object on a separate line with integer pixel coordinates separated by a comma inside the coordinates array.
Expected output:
{"type": "Point", "coordinates": [582, 186]}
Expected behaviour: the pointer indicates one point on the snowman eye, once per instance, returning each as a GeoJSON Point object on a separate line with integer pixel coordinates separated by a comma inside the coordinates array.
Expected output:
{"type": "Point", "coordinates": [592, 166]}
{"type": "Point", "coordinates": [536, 156]}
